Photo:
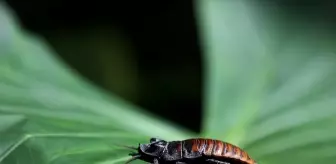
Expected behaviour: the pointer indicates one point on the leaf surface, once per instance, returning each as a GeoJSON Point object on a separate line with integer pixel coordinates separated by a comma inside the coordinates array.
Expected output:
{"type": "Point", "coordinates": [270, 90]}
{"type": "Point", "coordinates": [69, 120]}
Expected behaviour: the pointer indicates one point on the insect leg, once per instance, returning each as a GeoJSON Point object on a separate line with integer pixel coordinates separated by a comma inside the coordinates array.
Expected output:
{"type": "Point", "coordinates": [213, 161]}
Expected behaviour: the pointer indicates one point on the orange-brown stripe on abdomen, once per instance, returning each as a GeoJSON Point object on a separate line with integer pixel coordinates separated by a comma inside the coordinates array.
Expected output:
{"type": "Point", "coordinates": [228, 151]}
{"type": "Point", "coordinates": [209, 147]}
{"type": "Point", "coordinates": [248, 159]}
{"type": "Point", "coordinates": [201, 145]}
{"type": "Point", "coordinates": [244, 156]}
{"type": "Point", "coordinates": [237, 153]}
{"type": "Point", "coordinates": [194, 147]}
{"type": "Point", "coordinates": [218, 148]}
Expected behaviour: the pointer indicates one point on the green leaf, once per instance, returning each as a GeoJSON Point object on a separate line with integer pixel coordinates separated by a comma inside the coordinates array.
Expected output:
{"type": "Point", "coordinates": [270, 90]}
{"type": "Point", "coordinates": [73, 148]}
{"type": "Point", "coordinates": [237, 68]}
{"type": "Point", "coordinates": [10, 133]}
{"type": "Point", "coordinates": [298, 116]}
{"type": "Point", "coordinates": [69, 120]}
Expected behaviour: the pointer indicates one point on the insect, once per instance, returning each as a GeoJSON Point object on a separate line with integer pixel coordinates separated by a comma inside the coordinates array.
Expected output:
{"type": "Point", "coordinates": [190, 151]}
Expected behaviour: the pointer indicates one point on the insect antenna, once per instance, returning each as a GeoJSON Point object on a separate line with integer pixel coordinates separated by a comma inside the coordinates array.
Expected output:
{"type": "Point", "coordinates": [133, 158]}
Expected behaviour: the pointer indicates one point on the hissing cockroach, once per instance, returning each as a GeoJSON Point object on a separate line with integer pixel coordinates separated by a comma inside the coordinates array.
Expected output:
{"type": "Point", "coordinates": [190, 151]}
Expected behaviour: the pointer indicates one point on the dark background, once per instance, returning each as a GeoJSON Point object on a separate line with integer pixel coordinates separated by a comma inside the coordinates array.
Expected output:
{"type": "Point", "coordinates": [147, 52]}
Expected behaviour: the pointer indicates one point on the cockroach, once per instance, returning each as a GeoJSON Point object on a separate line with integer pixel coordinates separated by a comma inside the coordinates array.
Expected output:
{"type": "Point", "coordinates": [190, 151]}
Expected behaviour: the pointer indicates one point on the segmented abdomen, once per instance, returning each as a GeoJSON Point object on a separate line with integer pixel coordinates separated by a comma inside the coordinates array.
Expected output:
{"type": "Point", "coordinates": [220, 150]}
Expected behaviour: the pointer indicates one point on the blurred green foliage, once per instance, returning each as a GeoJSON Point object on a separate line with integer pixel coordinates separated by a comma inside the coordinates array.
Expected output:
{"type": "Point", "coordinates": [269, 90]}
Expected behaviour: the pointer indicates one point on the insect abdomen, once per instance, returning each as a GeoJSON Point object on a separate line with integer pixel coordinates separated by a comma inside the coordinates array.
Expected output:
{"type": "Point", "coordinates": [220, 150]}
